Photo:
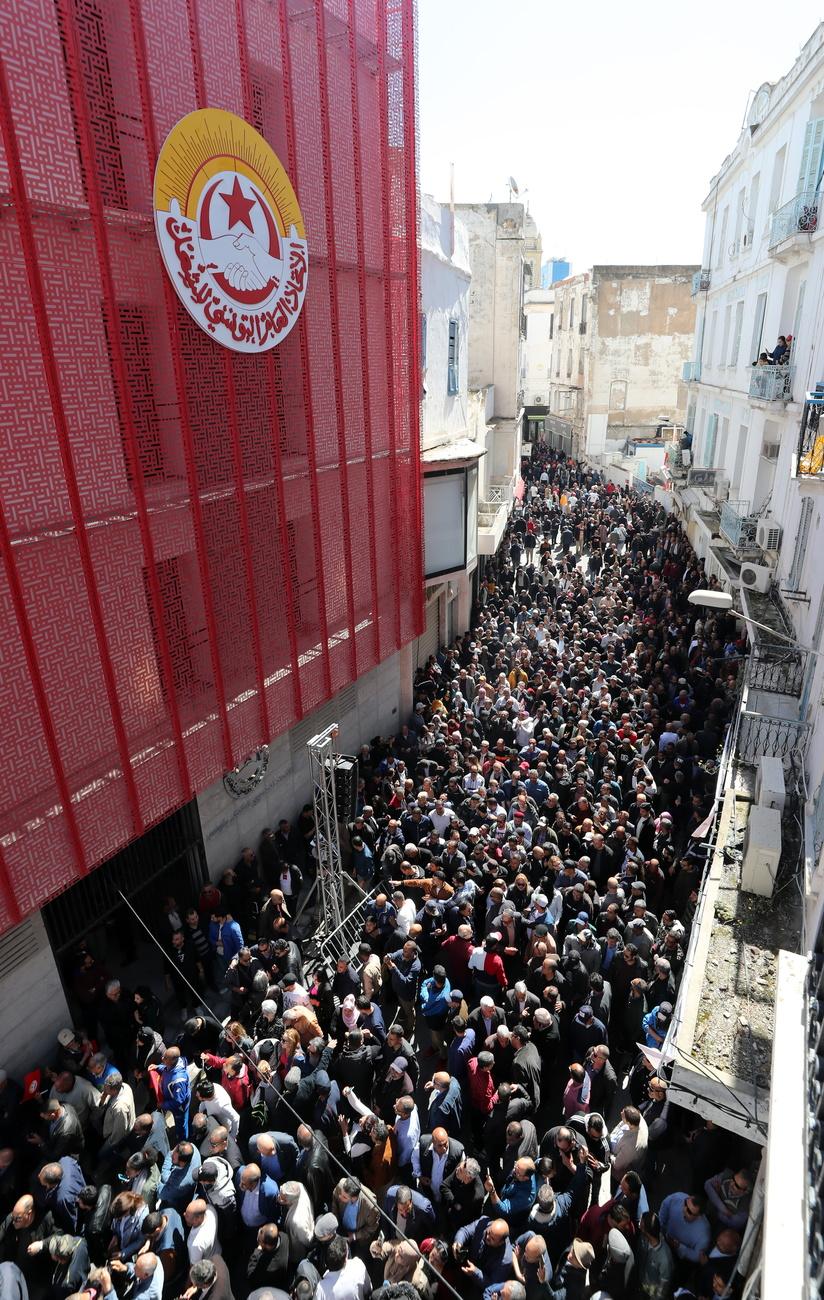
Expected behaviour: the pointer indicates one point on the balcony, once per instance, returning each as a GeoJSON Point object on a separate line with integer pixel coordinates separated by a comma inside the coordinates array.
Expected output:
{"type": "Point", "coordinates": [493, 512]}
{"type": "Point", "coordinates": [791, 224]}
{"type": "Point", "coordinates": [772, 383]}
{"type": "Point", "coordinates": [738, 525]}
{"type": "Point", "coordinates": [691, 372]}
{"type": "Point", "coordinates": [701, 281]}
{"type": "Point", "coordinates": [811, 440]}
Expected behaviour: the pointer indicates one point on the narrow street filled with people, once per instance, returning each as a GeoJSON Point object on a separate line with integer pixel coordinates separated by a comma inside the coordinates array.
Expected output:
{"type": "Point", "coordinates": [476, 1104]}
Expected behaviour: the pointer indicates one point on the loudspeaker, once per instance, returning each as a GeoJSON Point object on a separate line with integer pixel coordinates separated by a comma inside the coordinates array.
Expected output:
{"type": "Point", "coordinates": [346, 786]}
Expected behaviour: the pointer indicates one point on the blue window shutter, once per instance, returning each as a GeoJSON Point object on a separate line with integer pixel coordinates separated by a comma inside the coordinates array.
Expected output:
{"type": "Point", "coordinates": [452, 365]}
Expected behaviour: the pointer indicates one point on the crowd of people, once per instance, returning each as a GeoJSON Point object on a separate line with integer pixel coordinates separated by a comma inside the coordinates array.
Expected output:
{"type": "Point", "coordinates": [474, 1101]}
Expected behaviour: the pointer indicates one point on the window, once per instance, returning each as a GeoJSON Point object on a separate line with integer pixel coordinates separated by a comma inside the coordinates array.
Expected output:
{"type": "Point", "coordinates": [557, 362]}
{"type": "Point", "coordinates": [739, 218]}
{"type": "Point", "coordinates": [722, 442]}
{"type": "Point", "coordinates": [711, 339]}
{"type": "Point", "coordinates": [777, 178]}
{"type": "Point", "coordinates": [721, 250]}
{"type": "Point", "coordinates": [740, 450]}
{"type": "Point", "coordinates": [812, 155]}
{"type": "Point", "coordinates": [453, 359]}
{"type": "Point", "coordinates": [758, 326]}
{"type": "Point", "coordinates": [572, 314]}
{"type": "Point", "coordinates": [799, 307]}
{"type": "Point", "coordinates": [735, 346]}
{"type": "Point", "coordinates": [552, 324]}
{"type": "Point", "coordinates": [709, 441]}
{"type": "Point", "coordinates": [800, 549]}
{"type": "Point", "coordinates": [725, 337]}
{"type": "Point", "coordinates": [569, 363]}
{"type": "Point", "coordinates": [752, 207]}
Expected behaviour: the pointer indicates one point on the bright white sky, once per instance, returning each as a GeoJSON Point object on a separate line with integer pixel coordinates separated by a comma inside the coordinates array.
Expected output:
{"type": "Point", "coordinates": [613, 117]}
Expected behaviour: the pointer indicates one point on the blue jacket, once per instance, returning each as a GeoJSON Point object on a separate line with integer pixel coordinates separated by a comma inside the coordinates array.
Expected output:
{"type": "Point", "coordinates": [375, 1022]}
{"type": "Point", "coordinates": [493, 1264]}
{"type": "Point", "coordinates": [649, 1023]}
{"type": "Point", "coordinates": [176, 1092]}
{"type": "Point", "coordinates": [268, 1203]}
{"type": "Point", "coordinates": [280, 1167]}
{"type": "Point", "coordinates": [516, 1200]}
{"type": "Point", "coordinates": [177, 1184]}
{"type": "Point", "coordinates": [62, 1199]}
{"type": "Point", "coordinates": [460, 1050]}
{"type": "Point", "coordinates": [405, 977]}
{"type": "Point", "coordinates": [434, 1000]}
{"type": "Point", "coordinates": [232, 938]}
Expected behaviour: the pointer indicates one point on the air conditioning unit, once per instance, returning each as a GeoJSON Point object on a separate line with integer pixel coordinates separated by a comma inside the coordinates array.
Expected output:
{"type": "Point", "coordinates": [770, 789]}
{"type": "Point", "coordinates": [686, 456]}
{"type": "Point", "coordinates": [768, 534]}
{"type": "Point", "coordinates": [762, 851]}
{"type": "Point", "coordinates": [702, 477]}
{"type": "Point", "coordinates": [757, 577]}
{"type": "Point", "coordinates": [770, 450]}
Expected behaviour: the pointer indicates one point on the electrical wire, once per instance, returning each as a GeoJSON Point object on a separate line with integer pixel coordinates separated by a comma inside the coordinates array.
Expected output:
{"type": "Point", "coordinates": [347, 1173]}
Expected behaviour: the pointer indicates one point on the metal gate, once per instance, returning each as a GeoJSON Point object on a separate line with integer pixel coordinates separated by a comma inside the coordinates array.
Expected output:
{"type": "Point", "coordinates": [429, 641]}
{"type": "Point", "coordinates": [173, 849]}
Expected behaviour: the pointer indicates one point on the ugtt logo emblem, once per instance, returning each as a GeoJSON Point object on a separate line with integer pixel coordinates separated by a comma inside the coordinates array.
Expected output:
{"type": "Point", "coordinates": [230, 230]}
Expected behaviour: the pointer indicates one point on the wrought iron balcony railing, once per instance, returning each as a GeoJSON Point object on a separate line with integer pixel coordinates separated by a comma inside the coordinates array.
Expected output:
{"type": "Point", "coordinates": [772, 383]}
{"type": "Point", "coordinates": [701, 281]}
{"type": "Point", "coordinates": [738, 524]}
{"type": "Point", "coordinates": [811, 438]}
{"type": "Point", "coordinates": [798, 217]}
{"type": "Point", "coordinates": [776, 669]}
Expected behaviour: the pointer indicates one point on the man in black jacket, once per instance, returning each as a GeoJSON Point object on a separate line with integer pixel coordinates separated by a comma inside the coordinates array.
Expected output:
{"type": "Point", "coordinates": [313, 1167]}
{"type": "Point", "coordinates": [268, 1264]}
{"type": "Point", "coordinates": [64, 1132]}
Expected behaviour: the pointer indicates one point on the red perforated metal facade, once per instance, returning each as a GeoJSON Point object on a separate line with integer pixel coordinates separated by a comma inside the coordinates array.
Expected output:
{"type": "Point", "coordinates": [198, 546]}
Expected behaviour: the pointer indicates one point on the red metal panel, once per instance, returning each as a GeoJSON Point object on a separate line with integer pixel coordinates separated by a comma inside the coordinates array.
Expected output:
{"type": "Point", "coordinates": [197, 546]}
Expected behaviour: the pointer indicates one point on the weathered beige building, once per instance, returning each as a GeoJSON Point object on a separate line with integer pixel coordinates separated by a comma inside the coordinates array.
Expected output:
{"type": "Point", "coordinates": [619, 337]}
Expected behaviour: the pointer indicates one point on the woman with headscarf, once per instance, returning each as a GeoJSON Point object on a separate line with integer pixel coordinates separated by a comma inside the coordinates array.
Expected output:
{"type": "Point", "coordinates": [348, 1017]}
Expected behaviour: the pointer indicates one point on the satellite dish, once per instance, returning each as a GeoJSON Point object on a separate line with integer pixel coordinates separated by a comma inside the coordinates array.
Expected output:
{"type": "Point", "coordinates": [513, 185]}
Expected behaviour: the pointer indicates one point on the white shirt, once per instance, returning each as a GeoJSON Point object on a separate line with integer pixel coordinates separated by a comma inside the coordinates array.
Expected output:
{"type": "Point", "coordinates": [220, 1106]}
{"type": "Point", "coordinates": [202, 1242]}
{"type": "Point", "coordinates": [406, 916]}
{"type": "Point", "coordinates": [407, 1136]}
{"type": "Point", "coordinates": [349, 1283]}
{"type": "Point", "coordinates": [441, 821]}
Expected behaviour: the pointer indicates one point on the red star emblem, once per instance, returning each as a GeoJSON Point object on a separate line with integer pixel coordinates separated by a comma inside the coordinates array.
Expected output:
{"type": "Point", "coordinates": [239, 206]}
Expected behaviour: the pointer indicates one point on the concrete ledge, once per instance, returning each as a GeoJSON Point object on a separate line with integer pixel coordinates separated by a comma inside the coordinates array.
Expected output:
{"type": "Point", "coordinates": [784, 1259]}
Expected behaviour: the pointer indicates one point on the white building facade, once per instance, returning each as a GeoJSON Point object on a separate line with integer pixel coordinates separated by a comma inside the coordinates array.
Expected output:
{"type": "Point", "coordinates": [751, 492]}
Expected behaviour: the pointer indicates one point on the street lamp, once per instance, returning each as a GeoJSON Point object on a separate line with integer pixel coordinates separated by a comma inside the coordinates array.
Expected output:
{"type": "Point", "coordinates": [722, 601]}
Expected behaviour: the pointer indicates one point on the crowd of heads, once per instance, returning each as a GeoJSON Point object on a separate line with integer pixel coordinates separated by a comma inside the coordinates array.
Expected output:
{"type": "Point", "coordinates": [475, 1099]}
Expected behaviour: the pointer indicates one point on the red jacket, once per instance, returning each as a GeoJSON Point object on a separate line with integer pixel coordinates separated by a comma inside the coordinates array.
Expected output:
{"type": "Point", "coordinates": [481, 1086]}
{"type": "Point", "coordinates": [238, 1086]}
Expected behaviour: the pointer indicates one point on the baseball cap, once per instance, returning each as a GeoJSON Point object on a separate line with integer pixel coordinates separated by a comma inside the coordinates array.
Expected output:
{"type": "Point", "coordinates": [65, 1037]}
